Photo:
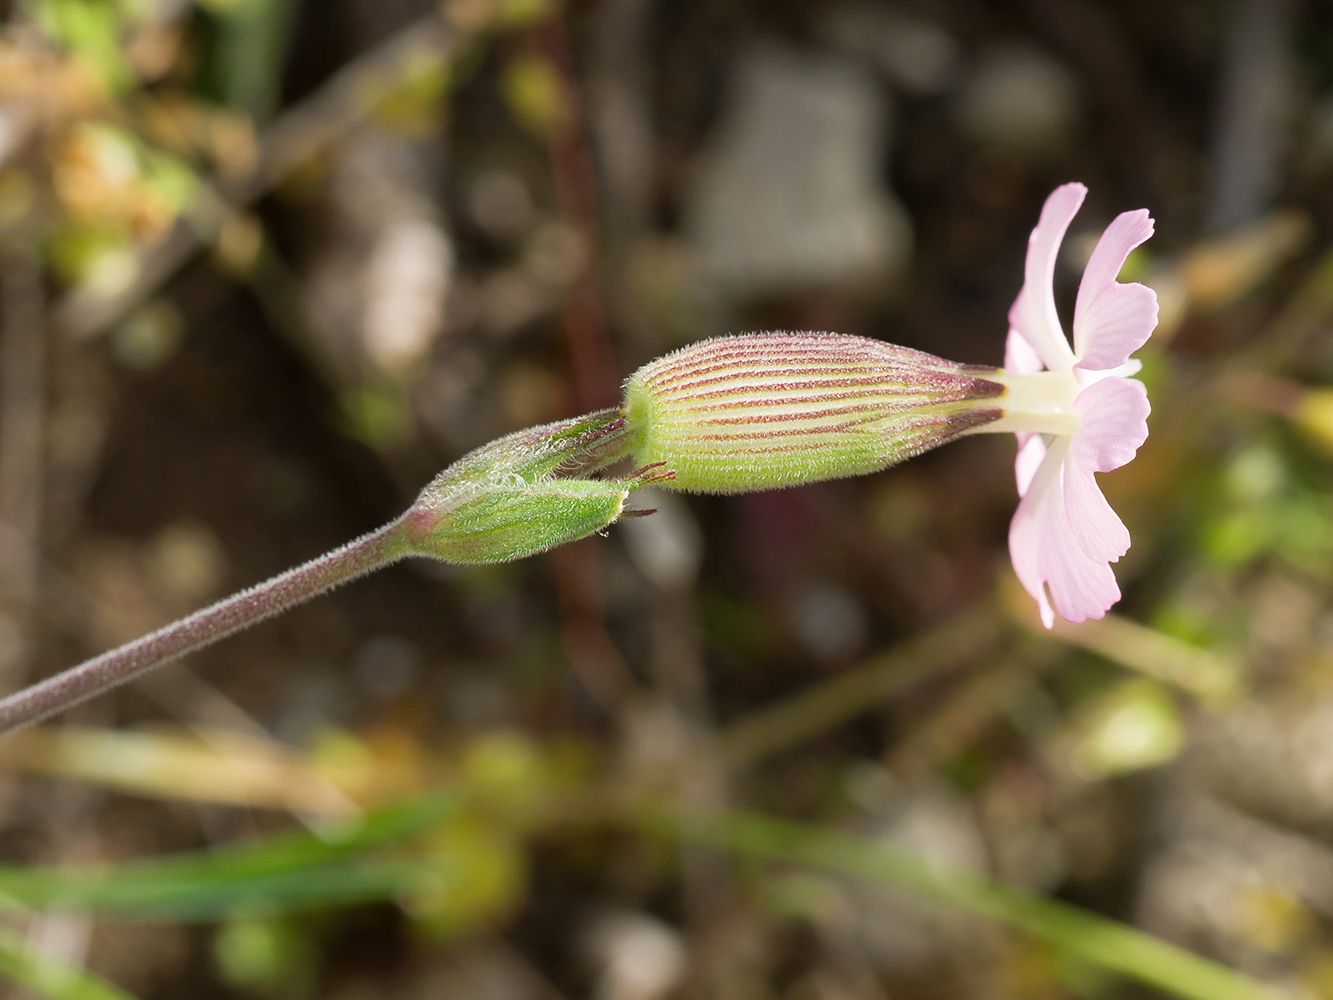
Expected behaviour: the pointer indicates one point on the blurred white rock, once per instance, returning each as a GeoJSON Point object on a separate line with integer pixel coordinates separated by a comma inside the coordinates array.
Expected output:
{"type": "Point", "coordinates": [903, 932]}
{"type": "Point", "coordinates": [406, 277]}
{"type": "Point", "coordinates": [918, 55]}
{"type": "Point", "coordinates": [791, 192]}
{"type": "Point", "coordinates": [500, 203]}
{"type": "Point", "coordinates": [1031, 856]}
{"type": "Point", "coordinates": [638, 956]}
{"type": "Point", "coordinates": [658, 738]}
{"type": "Point", "coordinates": [377, 291]}
{"type": "Point", "coordinates": [938, 825]}
{"type": "Point", "coordinates": [830, 621]}
{"type": "Point", "coordinates": [1273, 760]}
{"type": "Point", "coordinates": [1020, 100]}
{"type": "Point", "coordinates": [1231, 885]}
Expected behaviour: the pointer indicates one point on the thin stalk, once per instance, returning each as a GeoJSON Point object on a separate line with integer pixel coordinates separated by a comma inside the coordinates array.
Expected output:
{"type": "Point", "coordinates": [203, 628]}
{"type": "Point", "coordinates": [1099, 940]}
{"type": "Point", "coordinates": [968, 635]}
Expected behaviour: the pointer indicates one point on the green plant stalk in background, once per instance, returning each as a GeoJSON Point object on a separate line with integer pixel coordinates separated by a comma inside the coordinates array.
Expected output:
{"type": "Point", "coordinates": [347, 864]}
{"type": "Point", "coordinates": [1109, 945]}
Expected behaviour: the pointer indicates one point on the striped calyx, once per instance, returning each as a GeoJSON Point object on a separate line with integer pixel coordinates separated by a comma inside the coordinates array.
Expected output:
{"type": "Point", "coordinates": [765, 410]}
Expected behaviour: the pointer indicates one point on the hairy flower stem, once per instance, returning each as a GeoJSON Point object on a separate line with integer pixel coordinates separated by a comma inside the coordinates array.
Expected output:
{"type": "Point", "coordinates": [522, 494]}
{"type": "Point", "coordinates": [203, 628]}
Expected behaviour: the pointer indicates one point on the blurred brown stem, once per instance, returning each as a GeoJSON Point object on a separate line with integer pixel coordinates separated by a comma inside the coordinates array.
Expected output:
{"type": "Point", "coordinates": [969, 710]}
{"type": "Point", "coordinates": [575, 183]}
{"type": "Point", "coordinates": [965, 636]}
{"type": "Point", "coordinates": [592, 655]}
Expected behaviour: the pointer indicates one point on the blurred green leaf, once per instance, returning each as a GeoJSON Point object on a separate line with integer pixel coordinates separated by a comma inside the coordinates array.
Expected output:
{"type": "Point", "coordinates": [99, 258]}
{"type": "Point", "coordinates": [266, 954]}
{"type": "Point", "coordinates": [535, 94]}
{"type": "Point", "coordinates": [90, 29]}
{"type": "Point", "coordinates": [1133, 726]}
{"type": "Point", "coordinates": [481, 875]}
{"type": "Point", "coordinates": [414, 106]}
{"type": "Point", "coordinates": [377, 416]}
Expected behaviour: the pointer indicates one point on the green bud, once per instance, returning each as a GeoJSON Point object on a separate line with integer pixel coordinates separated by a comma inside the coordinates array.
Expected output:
{"type": "Point", "coordinates": [519, 496]}
{"type": "Point", "coordinates": [760, 411]}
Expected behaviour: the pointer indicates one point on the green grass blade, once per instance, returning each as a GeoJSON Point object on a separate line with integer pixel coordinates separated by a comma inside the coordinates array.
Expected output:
{"type": "Point", "coordinates": [166, 896]}
{"type": "Point", "coordinates": [289, 871]}
{"type": "Point", "coordinates": [46, 977]}
{"type": "Point", "coordinates": [1076, 932]}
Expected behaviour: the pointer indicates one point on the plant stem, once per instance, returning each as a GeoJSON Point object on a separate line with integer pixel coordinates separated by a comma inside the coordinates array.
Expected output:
{"type": "Point", "coordinates": [1099, 940]}
{"type": "Point", "coordinates": [968, 635]}
{"type": "Point", "coordinates": [203, 628]}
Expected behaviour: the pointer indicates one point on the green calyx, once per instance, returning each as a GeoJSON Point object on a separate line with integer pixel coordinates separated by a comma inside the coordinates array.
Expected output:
{"type": "Point", "coordinates": [526, 493]}
{"type": "Point", "coordinates": [753, 412]}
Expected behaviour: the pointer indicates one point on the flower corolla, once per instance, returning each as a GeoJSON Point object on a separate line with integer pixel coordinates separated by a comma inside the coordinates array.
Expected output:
{"type": "Point", "coordinates": [1081, 415]}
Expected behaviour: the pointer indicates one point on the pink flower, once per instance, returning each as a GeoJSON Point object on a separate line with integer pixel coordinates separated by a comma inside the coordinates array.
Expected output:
{"type": "Point", "coordinates": [1091, 416]}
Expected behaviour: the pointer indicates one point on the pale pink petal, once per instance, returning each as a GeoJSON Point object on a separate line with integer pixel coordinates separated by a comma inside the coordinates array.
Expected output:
{"type": "Point", "coordinates": [1064, 535]}
{"type": "Point", "coordinates": [1081, 587]}
{"type": "Point", "coordinates": [1097, 527]}
{"type": "Point", "coordinates": [1112, 423]}
{"type": "Point", "coordinates": [1025, 552]}
{"type": "Point", "coordinates": [1025, 529]}
{"type": "Point", "coordinates": [1113, 320]}
{"type": "Point", "coordinates": [1031, 451]}
{"type": "Point", "coordinates": [1047, 553]}
{"type": "Point", "coordinates": [1033, 313]}
{"type": "Point", "coordinates": [1019, 356]}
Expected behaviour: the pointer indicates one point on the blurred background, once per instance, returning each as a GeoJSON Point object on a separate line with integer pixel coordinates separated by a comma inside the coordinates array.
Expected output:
{"type": "Point", "coordinates": [266, 266]}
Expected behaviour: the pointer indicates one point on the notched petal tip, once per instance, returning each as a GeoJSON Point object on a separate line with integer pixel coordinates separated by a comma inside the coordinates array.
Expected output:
{"type": "Point", "coordinates": [1116, 324]}
{"type": "Point", "coordinates": [1033, 313]}
{"type": "Point", "coordinates": [1081, 587]}
{"type": "Point", "coordinates": [1113, 320]}
{"type": "Point", "coordinates": [1097, 527]}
